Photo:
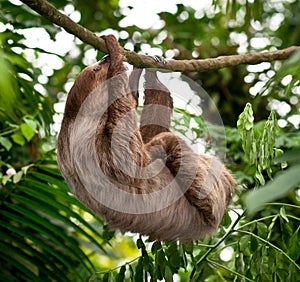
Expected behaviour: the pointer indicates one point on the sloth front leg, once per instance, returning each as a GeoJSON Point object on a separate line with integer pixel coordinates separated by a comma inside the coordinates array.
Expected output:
{"type": "Point", "coordinates": [120, 146]}
{"type": "Point", "coordinates": [158, 107]}
{"type": "Point", "coordinates": [121, 102]}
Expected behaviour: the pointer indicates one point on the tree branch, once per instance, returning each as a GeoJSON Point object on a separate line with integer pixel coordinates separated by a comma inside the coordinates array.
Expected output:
{"type": "Point", "coordinates": [48, 11]}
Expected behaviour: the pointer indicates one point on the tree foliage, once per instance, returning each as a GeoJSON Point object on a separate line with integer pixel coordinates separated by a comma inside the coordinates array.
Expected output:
{"type": "Point", "coordinates": [47, 235]}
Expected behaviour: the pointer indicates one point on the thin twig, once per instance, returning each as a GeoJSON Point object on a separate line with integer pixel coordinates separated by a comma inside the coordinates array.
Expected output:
{"type": "Point", "coordinates": [216, 245]}
{"type": "Point", "coordinates": [230, 270]}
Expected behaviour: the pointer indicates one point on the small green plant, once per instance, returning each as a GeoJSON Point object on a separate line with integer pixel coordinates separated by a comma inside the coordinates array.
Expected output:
{"type": "Point", "coordinates": [259, 147]}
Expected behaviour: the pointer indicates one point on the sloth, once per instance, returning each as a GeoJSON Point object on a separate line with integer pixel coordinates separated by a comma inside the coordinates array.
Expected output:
{"type": "Point", "coordinates": [139, 176]}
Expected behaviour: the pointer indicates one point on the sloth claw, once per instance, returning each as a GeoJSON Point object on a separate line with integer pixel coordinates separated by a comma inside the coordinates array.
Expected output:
{"type": "Point", "coordinates": [159, 59]}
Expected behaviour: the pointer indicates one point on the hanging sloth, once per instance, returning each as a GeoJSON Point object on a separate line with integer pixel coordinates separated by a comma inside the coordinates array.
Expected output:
{"type": "Point", "coordinates": [140, 179]}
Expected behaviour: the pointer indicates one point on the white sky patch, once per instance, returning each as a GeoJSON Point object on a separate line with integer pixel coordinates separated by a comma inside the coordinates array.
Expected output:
{"type": "Point", "coordinates": [259, 67]}
{"type": "Point", "coordinates": [295, 120]}
{"type": "Point", "coordinates": [259, 42]}
{"type": "Point", "coordinates": [249, 78]}
{"type": "Point", "coordinates": [281, 107]}
{"type": "Point", "coordinates": [294, 100]}
{"type": "Point", "coordinates": [69, 9]}
{"type": "Point", "coordinates": [39, 38]}
{"type": "Point", "coordinates": [282, 123]}
{"type": "Point", "coordinates": [226, 254]}
{"type": "Point", "coordinates": [240, 39]}
{"type": "Point", "coordinates": [296, 90]}
{"type": "Point", "coordinates": [276, 21]}
{"type": "Point", "coordinates": [2, 27]}
{"type": "Point", "coordinates": [16, 2]}
{"type": "Point", "coordinates": [257, 88]}
{"type": "Point", "coordinates": [287, 80]}
{"type": "Point", "coordinates": [144, 14]}
{"type": "Point", "coordinates": [90, 57]}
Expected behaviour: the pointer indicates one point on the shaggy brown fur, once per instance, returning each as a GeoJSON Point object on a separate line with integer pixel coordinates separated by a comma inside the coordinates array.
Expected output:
{"type": "Point", "coordinates": [143, 180]}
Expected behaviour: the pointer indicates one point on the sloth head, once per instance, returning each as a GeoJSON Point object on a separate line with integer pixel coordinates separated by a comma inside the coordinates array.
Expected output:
{"type": "Point", "coordinates": [86, 82]}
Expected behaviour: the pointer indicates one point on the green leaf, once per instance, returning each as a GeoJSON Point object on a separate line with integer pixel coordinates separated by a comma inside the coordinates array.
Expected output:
{"type": "Point", "coordinates": [292, 156]}
{"type": "Point", "coordinates": [188, 247]}
{"type": "Point", "coordinates": [282, 184]}
{"type": "Point", "coordinates": [258, 175]}
{"type": "Point", "coordinates": [175, 260]}
{"type": "Point", "coordinates": [44, 226]}
{"type": "Point", "coordinates": [199, 121]}
{"type": "Point", "coordinates": [187, 120]}
{"type": "Point", "coordinates": [18, 139]}
{"type": "Point", "coordinates": [160, 263]}
{"type": "Point", "coordinates": [249, 274]}
{"type": "Point", "coordinates": [145, 259]}
{"type": "Point", "coordinates": [286, 232]}
{"type": "Point", "coordinates": [27, 131]}
{"type": "Point", "coordinates": [161, 258]}
{"type": "Point", "coordinates": [140, 244]}
{"type": "Point", "coordinates": [245, 127]}
{"type": "Point", "coordinates": [18, 261]}
{"type": "Point", "coordinates": [139, 276]}
{"type": "Point", "coordinates": [32, 123]}
{"type": "Point", "coordinates": [244, 242]}
{"type": "Point", "coordinates": [106, 277]}
{"type": "Point", "coordinates": [253, 244]}
{"type": "Point", "coordinates": [58, 181]}
{"type": "Point", "coordinates": [131, 272]}
{"type": "Point", "coordinates": [41, 202]}
{"type": "Point", "coordinates": [294, 246]}
{"type": "Point", "coordinates": [121, 274]}
{"type": "Point", "coordinates": [267, 143]}
{"type": "Point", "coordinates": [245, 121]}
{"type": "Point", "coordinates": [25, 168]}
{"type": "Point", "coordinates": [35, 239]}
{"type": "Point", "coordinates": [262, 229]}
{"type": "Point", "coordinates": [5, 179]}
{"type": "Point", "coordinates": [226, 221]}
{"type": "Point", "coordinates": [155, 247]}
{"type": "Point", "coordinates": [8, 95]}
{"type": "Point", "coordinates": [17, 177]}
{"type": "Point", "coordinates": [168, 274]}
{"type": "Point", "coordinates": [4, 141]}
{"type": "Point", "coordinates": [173, 255]}
{"type": "Point", "coordinates": [283, 214]}
{"type": "Point", "coordinates": [37, 258]}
